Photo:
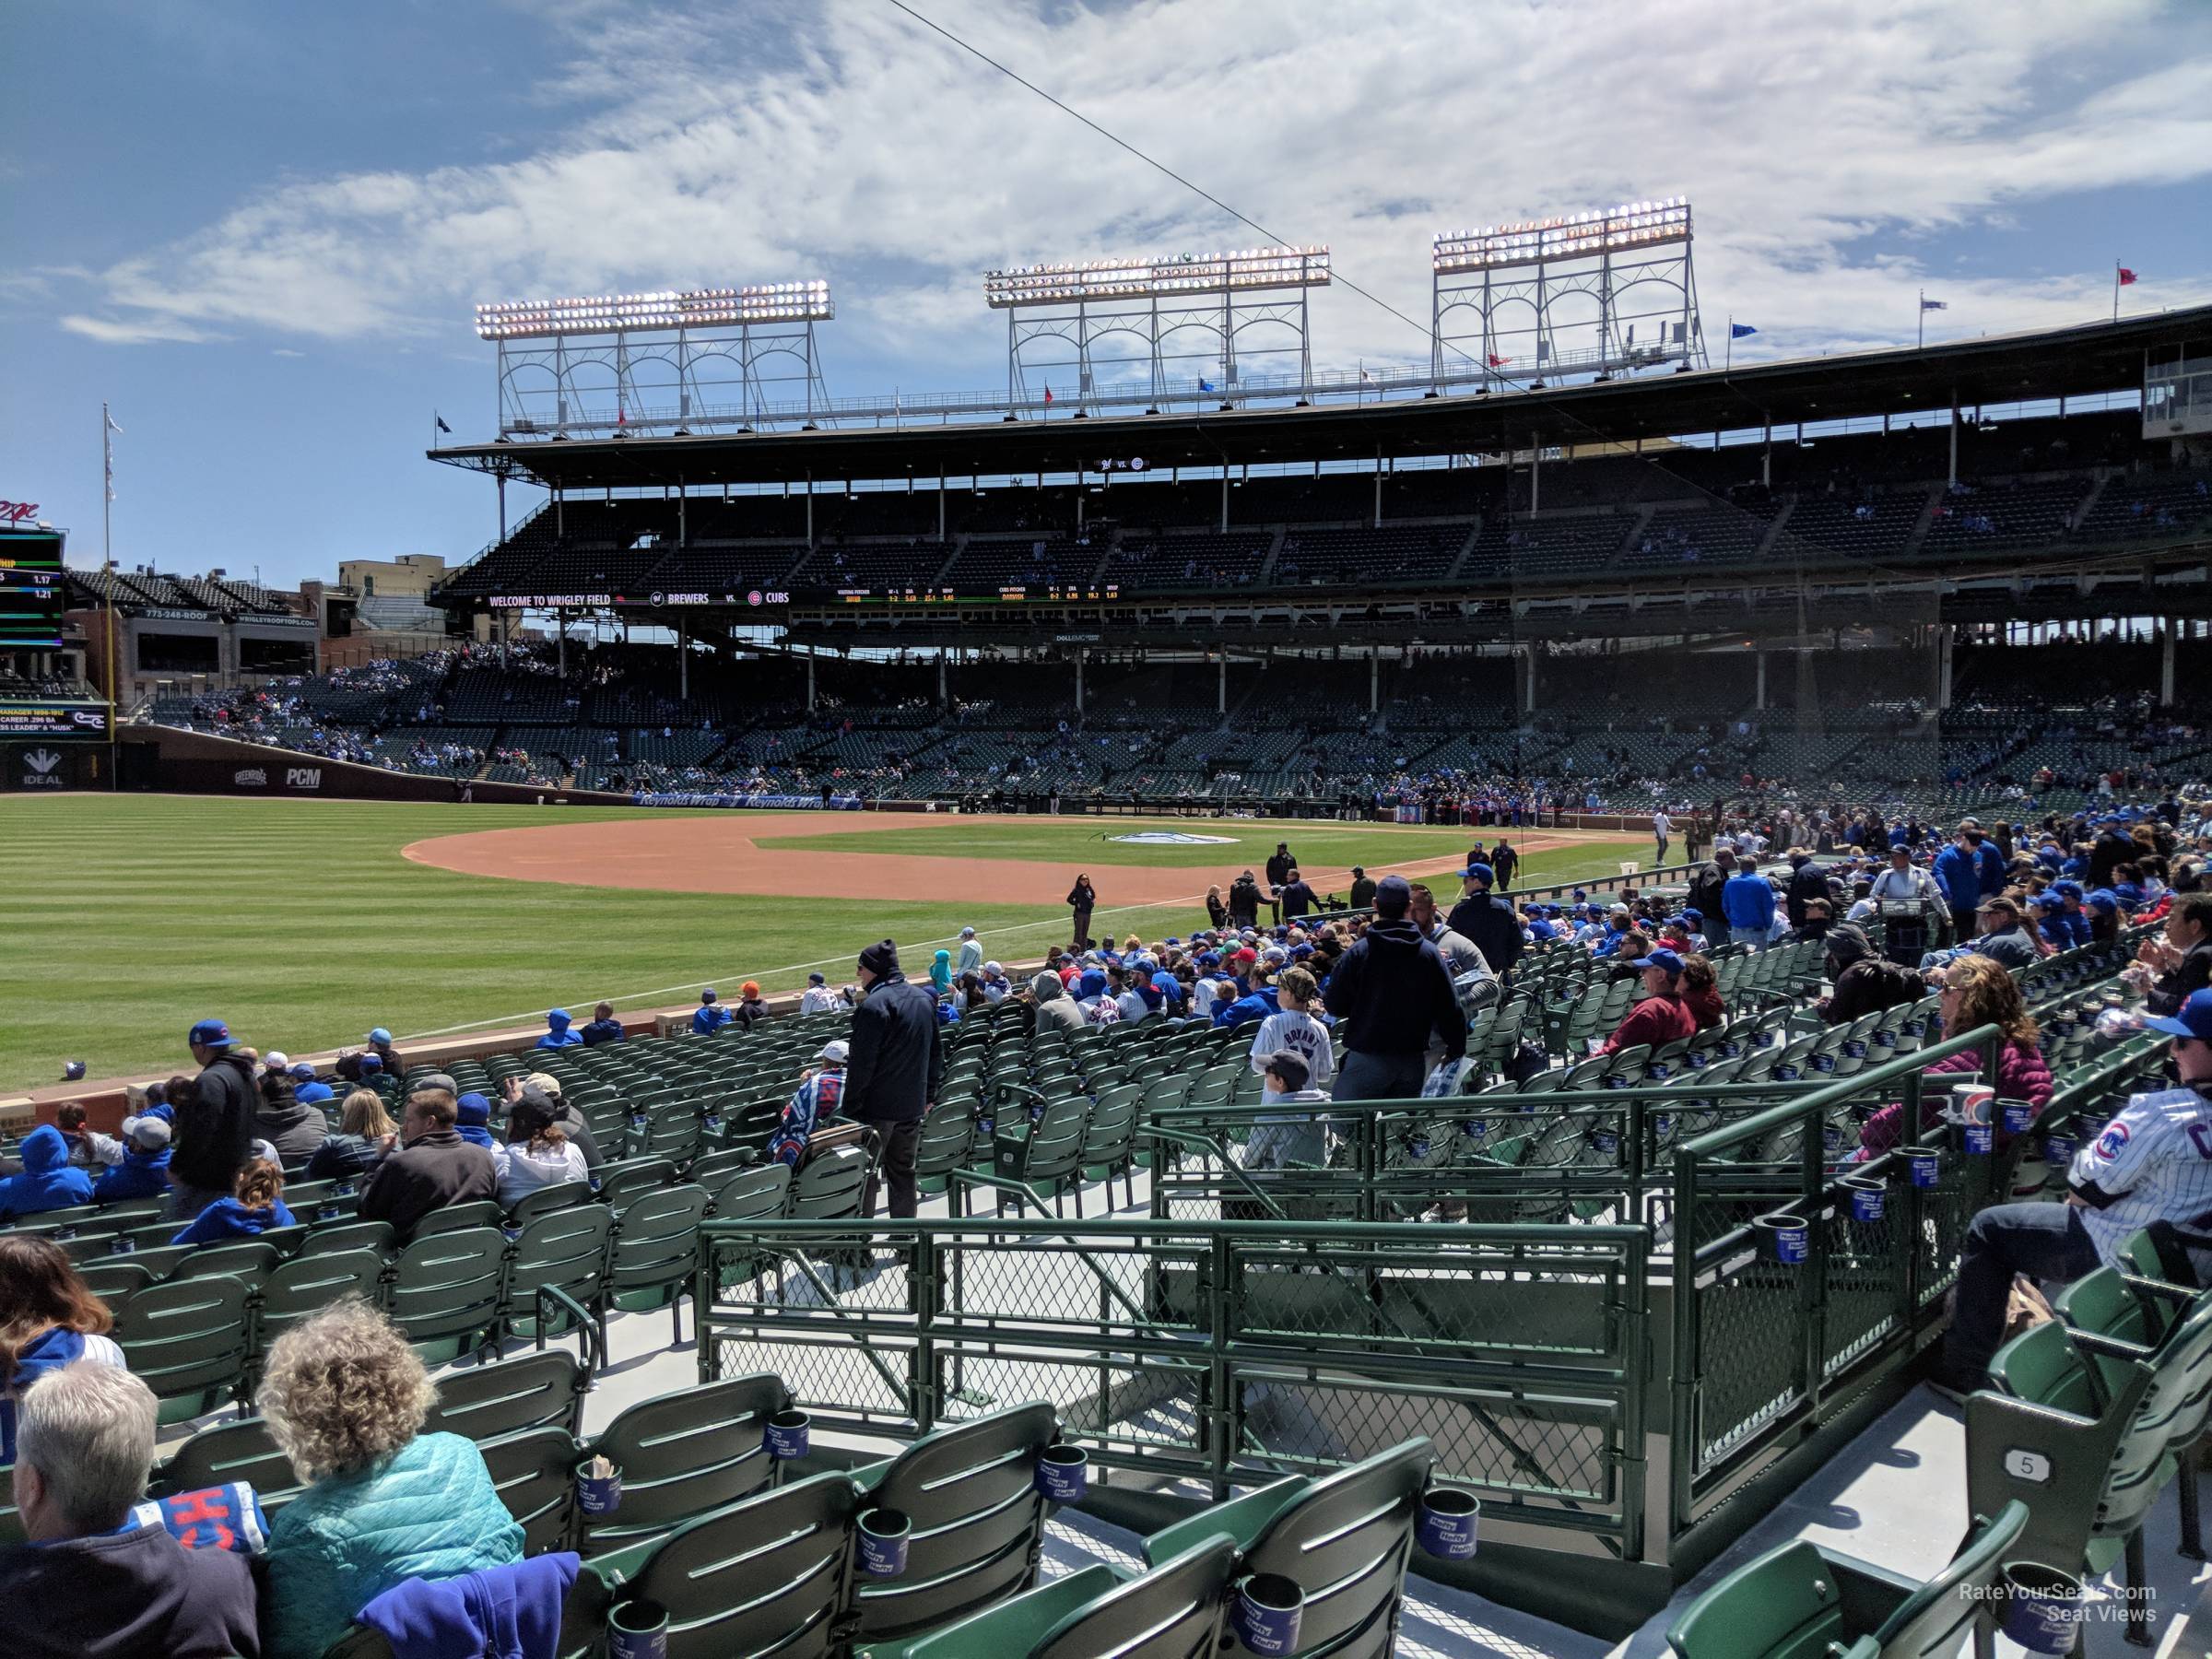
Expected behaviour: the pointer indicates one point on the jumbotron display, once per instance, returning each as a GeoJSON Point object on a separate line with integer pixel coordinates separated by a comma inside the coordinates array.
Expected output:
{"type": "Point", "coordinates": [30, 590]}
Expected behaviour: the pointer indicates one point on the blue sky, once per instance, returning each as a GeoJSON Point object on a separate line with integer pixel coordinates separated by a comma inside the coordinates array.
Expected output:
{"type": "Point", "coordinates": [258, 229]}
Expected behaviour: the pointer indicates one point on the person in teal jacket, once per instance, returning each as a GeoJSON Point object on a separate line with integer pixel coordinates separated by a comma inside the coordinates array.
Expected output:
{"type": "Point", "coordinates": [345, 1398]}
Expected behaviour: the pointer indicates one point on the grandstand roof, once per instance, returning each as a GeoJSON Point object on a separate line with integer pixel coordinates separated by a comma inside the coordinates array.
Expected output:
{"type": "Point", "coordinates": [2001, 369]}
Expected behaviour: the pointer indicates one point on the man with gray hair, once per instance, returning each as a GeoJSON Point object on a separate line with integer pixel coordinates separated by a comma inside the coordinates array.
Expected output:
{"type": "Point", "coordinates": [94, 1582]}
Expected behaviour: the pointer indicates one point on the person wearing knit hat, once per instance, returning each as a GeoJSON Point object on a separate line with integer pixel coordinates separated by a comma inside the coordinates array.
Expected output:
{"type": "Point", "coordinates": [751, 1010]}
{"type": "Point", "coordinates": [709, 1017]}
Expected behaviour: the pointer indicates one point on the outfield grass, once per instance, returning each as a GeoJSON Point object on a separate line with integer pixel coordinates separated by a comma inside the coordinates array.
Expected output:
{"type": "Point", "coordinates": [299, 922]}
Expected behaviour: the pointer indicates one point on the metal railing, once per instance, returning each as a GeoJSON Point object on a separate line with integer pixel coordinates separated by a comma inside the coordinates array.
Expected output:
{"type": "Point", "coordinates": [1227, 1354]}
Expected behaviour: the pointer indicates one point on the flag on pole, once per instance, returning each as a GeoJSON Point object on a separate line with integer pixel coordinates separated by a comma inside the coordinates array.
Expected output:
{"type": "Point", "coordinates": [1048, 394]}
{"type": "Point", "coordinates": [1205, 385]}
{"type": "Point", "coordinates": [1927, 304]}
{"type": "Point", "coordinates": [1498, 363]}
{"type": "Point", "coordinates": [621, 415]}
{"type": "Point", "coordinates": [107, 452]}
{"type": "Point", "coordinates": [441, 420]}
{"type": "Point", "coordinates": [2126, 276]}
{"type": "Point", "coordinates": [1365, 375]}
{"type": "Point", "coordinates": [1737, 331]}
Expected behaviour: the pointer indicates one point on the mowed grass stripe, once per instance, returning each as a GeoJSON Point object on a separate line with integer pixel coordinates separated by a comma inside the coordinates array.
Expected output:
{"type": "Point", "coordinates": [128, 917]}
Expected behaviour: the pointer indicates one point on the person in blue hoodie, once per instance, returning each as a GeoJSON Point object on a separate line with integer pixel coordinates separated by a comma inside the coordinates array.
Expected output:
{"type": "Point", "coordinates": [1253, 1007]}
{"type": "Point", "coordinates": [51, 1321]}
{"type": "Point", "coordinates": [255, 1206]}
{"type": "Point", "coordinates": [309, 1089]}
{"type": "Point", "coordinates": [47, 1182]}
{"type": "Point", "coordinates": [557, 1034]}
{"type": "Point", "coordinates": [709, 1018]}
{"type": "Point", "coordinates": [143, 1172]}
{"type": "Point", "coordinates": [472, 1119]}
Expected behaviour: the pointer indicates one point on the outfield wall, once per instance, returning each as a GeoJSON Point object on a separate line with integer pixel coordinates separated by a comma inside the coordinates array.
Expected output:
{"type": "Point", "coordinates": [171, 761]}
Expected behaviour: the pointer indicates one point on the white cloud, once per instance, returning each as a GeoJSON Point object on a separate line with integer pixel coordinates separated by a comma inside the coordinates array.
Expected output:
{"type": "Point", "coordinates": [858, 145]}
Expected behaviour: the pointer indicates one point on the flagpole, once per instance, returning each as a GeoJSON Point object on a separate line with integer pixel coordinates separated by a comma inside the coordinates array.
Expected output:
{"type": "Point", "coordinates": [1921, 341]}
{"type": "Point", "coordinates": [1728, 354]}
{"type": "Point", "coordinates": [2116, 290]}
{"type": "Point", "coordinates": [107, 554]}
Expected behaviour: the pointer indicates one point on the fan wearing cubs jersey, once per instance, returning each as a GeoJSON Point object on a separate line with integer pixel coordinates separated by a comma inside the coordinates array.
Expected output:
{"type": "Point", "coordinates": [2152, 1163]}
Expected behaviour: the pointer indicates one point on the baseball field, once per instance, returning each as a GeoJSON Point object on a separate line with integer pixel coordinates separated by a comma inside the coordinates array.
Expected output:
{"type": "Point", "coordinates": [305, 922]}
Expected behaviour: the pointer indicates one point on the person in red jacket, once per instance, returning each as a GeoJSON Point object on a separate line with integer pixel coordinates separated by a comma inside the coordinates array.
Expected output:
{"type": "Point", "coordinates": [1662, 1017]}
{"type": "Point", "coordinates": [1977, 991]}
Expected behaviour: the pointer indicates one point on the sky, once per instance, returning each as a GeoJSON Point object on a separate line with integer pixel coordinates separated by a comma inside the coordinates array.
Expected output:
{"type": "Point", "coordinates": [258, 230]}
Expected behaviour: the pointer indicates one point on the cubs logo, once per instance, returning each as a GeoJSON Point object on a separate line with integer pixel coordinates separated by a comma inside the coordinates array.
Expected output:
{"type": "Point", "coordinates": [2112, 1141]}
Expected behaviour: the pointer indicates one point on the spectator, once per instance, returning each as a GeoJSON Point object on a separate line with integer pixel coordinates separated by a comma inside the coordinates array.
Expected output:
{"type": "Point", "coordinates": [605, 1026]}
{"type": "Point", "coordinates": [1958, 876]}
{"type": "Point", "coordinates": [309, 1089]}
{"type": "Point", "coordinates": [214, 1128]}
{"type": "Point", "coordinates": [1703, 895]}
{"type": "Point", "coordinates": [2181, 961]}
{"type": "Point", "coordinates": [1301, 1138]}
{"type": "Point", "coordinates": [2003, 937]}
{"type": "Point", "coordinates": [2146, 1166]}
{"type": "Point", "coordinates": [89, 1583]}
{"type": "Point", "coordinates": [537, 1153]}
{"type": "Point", "coordinates": [1748, 903]}
{"type": "Point", "coordinates": [433, 1168]}
{"type": "Point", "coordinates": [1292, 1028]}
{"type": "Point", "coordinates": [750, 1010]}
{"type": "Point", "coordinates": [49, 1181]}
{"type": "Point", "coordinates": [1390, 991]}
{"type": "Point", "coordinates": [1082, 898]}
{"type": "Point", "coordinates": [255, 1206]}
{"type": "Point", "coordinates": [89, 1149]}
{"type": "Point", "coordinates": [143, 1172]}
{"type": "Point", "coordinates": [574, 1123]}
{"type": "Point", "coordinates": [472, 1121]}
{"type": "Point", "coordinates": [1977, 992]}
{"type": "Point", "coordinates": [816, 1100]}
{"type": "Point", "coordinates": [296, 1131]}
{"type": "Point", "coordinates": [1362, 895]}
{"type": "Point", "coordinates": [1864, 982]}
{"type": "Point", "coordinates": [893, 1070]}
{"type": "Point", "coordinates": [349, 1066]}
{"type": "Point", "coordinates": [1244, 901]}
{"type": "Point", "coordinates": [48, 1319]}
{"type": "Point", "coordinates": [1809, 882]}
{"type": "Point", "coordinates": [1661, 1017]}
{"type": "Point", "coordinates": [1297, 897]}
{"type": "Point", "coordinates": [345, 1399]}
{"type": "Point", "coordinates": [365, 1134]}
{"type": "Point", "coordinates": [971, 952]}
{"type": "Point", "coordinates": [1054, 1006]}
{"type": "Point", "coordinates": [1488, 921]}
{"type": "Point", "coordinates": [557, 1034]}
{"type": "Point", "coordinates": [940, 972]}
{"type": "Point", "coordinates": [1216, 913]}
{"type": "Point", "coordinates": [1701, 988]}
{"type": "Point", "coordinates": [819, 998]}
{"type": "Point", "coordinates": [709, 1018]}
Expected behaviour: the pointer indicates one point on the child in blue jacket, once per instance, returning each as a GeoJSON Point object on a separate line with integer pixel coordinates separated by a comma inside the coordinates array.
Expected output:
{"type": "Point", "coordinates": [257, 1206]}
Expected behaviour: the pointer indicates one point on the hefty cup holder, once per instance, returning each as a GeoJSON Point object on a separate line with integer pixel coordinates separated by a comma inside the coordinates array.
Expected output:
{"type": "Point", "coordinates": [2043, 1608]}
{"type": "Point", "coordinates": [1449, 1523]}
{"type": "Point", "coordinates": [1266, 1613]}
{"type": "Point", "coordinates": [1869, 1197]}
{"type": "Point", "coordinates": [121, 1244]}
{"type": "Point", "coordinates": [1923, 1167]}
{"type": "Point", "coordinates": [598, 1495]}
{"type": "Point", "coordinates": [884, 1536]}
{"type": "Point", "coordinates": [1417, 1148]}
{"type": "Point", "coordinates": [637, 1629]}
{"type": "Point", "coordinates": [1062, 1472]}
{"type": "Point", "coordinates": [2058, 1151]}
{"type": "Point", "coordinates": [2015, 1115]}
{"type": "Point", "coordinates": [1976, 1139]}
{"type": "Point", "coordinates": [788, 1435]}
{"type": "Point", "coordinates": [1785, 1238]}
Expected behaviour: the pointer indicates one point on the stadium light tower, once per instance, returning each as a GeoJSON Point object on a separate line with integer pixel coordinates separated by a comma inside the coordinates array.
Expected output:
{"type": "Point", "coordinates": [1214, 301]}
{"type": "Point", "coordinates": [695, 357]}
{"type": "Point", "coordinates": [1567, 295]}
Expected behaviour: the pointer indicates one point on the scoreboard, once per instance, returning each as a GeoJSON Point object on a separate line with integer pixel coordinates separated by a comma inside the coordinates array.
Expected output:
{"type": "Point", "coordinates": [30, 589]}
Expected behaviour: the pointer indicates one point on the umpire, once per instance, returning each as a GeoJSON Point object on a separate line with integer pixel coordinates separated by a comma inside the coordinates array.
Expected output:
{"type": "Point", "coordinates": [892, 1073]}
{"type": "Point", "coordinates": [1488, 920]}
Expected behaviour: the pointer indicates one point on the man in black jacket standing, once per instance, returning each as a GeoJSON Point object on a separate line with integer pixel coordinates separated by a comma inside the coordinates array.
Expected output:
{"type": "Point", "coordinates": [1391, 990]}
{"type": "Point", "coordinates": [1363, 888]}
{"type": "Point", "coordinates": [1488, 920]}
{"type": "Point", "coordinates": [215, 1129]}
{"type": "Point", "coordinates": [892, 1073]}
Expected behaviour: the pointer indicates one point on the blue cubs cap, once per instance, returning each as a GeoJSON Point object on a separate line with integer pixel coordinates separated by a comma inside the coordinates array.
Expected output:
{"type": "Point", "coordinates": [2192, 1019]}
{"type": "Point", "coordinates": [2047, 901]}
{"type": "Point", "coordinates": [303, 1073]}
{"type": "Point", "coordinates": [209, 1033]}
{"type": "Point", "coordinates": [1581, 894]}
{"type": "Point", "coordinates": [372, 1063]}
{"type": "Point", "coordinates": [473, 1109]}
{"type": "Point", "coordinates": [1479, 872]}
{"type": "Point", "coordinates": [2071, 889]}
{"type": "Point", "coordinates": [1666, 960]}
{"type": "Point", "coordinates": [707, 995]}
{"type": "Point", "coordinates": [380, 1035]}
{"type": "Point", "coordinates": [2104, 898]}
{"type": "Point", "coordinates": [815, 979]}
{"type": "Point", "coordinates": [1690, 915]}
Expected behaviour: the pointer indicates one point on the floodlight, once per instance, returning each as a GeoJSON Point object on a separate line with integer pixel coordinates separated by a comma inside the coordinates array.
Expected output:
{"type": "Point", "coordinates": [807, 301]}
{"type": "Point", "coordinates": [1067, 282]}
{"type": "Point", "coordinates": [1632, 226]}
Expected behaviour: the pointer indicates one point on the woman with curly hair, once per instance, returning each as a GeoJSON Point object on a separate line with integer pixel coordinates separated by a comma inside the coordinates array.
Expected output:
{"type": "Point", "coordinates": [1977, 991]}
{"type": "Point", "coordinates": [345, 1398]}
